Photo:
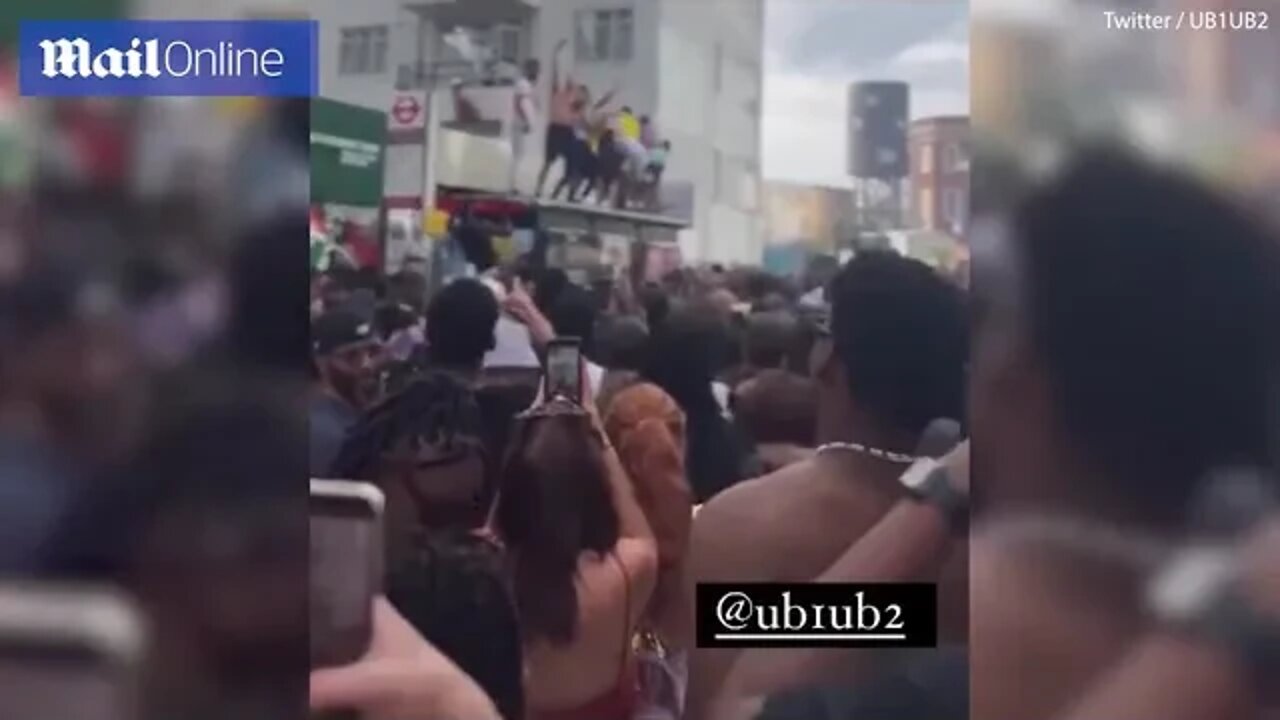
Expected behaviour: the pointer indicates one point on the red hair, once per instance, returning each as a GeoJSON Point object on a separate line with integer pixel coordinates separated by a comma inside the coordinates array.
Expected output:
{"type": "Point", "coordinates": [647, 428]}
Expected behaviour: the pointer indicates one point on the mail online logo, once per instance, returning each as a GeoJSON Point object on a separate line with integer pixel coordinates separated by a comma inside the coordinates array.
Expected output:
{"type": "Point", "coordinates": [263, 58]}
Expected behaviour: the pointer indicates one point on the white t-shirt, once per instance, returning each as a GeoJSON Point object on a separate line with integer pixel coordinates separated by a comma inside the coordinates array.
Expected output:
{"type": "Point", "coordinates": [512, 347]}
{"type": "Point", "coordinates": [524, 101]}
{"type": "Point", "coordinates": [595, 375]}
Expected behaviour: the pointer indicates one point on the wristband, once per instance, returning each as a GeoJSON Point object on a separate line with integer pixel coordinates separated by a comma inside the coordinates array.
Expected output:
{"type": "Point", "coordinates": [928, 481]}
{"type": "Point", "coordinates": [1198, 594]}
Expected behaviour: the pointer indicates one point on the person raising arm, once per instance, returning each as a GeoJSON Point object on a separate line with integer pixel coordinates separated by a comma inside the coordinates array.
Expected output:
{"type": "Point", "coordinates": [560, 138]}
{"type": "Point", "coordinates": [582, 559]}
{"type": "Point", "coordinates": [605, 99]}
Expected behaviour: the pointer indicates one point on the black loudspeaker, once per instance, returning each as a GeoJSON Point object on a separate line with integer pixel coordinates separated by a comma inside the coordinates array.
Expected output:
{"type": "Point", "coordinates": [878, 116]}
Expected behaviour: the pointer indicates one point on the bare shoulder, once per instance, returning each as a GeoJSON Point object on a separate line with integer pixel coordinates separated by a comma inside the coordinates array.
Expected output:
{"type": "Point", "coordinates": [1029, 630]}
{"type": "Point", "coordinates": [639, 556]}
{"type": "Point", "coordinates": [1030, 579]}
{"type": "Point", "coordinates": [746, 501]}
{"type": "Point", "coordinates": [1010, 586]}
{"type": "Point", "coordinates": [632, 567]}
{"type": "Point", "coordinates": [731, 526]}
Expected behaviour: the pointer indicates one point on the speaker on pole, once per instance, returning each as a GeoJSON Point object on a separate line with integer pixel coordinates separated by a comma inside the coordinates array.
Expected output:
{"type": "Point", "coordinates": [878, 116]}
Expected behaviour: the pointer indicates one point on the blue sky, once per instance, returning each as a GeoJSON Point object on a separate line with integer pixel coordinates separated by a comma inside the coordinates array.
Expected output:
{"type": "Point", "coordinates": [815, 48]}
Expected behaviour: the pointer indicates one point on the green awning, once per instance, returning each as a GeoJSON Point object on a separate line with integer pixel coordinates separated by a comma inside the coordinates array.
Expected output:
{"type": "Point", "coordinates": [348, 146]}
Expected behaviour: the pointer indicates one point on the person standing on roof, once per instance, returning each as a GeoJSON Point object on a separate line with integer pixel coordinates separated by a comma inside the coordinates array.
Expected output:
{"type": "Point", "coordinates": [565, 115]}
{"type": "Point", "coordinates": [526, 111]}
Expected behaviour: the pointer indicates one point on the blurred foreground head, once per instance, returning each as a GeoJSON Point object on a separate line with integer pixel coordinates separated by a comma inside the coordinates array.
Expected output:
{"type": "Point", "coordinates": [207, 528]}
{"type": "Point", "coordinates": [71, 399]}
{"type": "Point", "coordinates": [67, 373]}
{"type": "Point", "coordinates": [1127, 342]}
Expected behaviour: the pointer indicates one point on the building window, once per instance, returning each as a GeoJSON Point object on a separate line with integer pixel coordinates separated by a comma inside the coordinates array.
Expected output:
{"type": "Point", "coordinates": [506, 43]}
{"type": "Point", "coordinates": [953, 208]}
{"type": "Point", "coordinates": [604, 35]}
{"type": "Point", "coordinates": [953, 159]}
{"type": "Point", "coordinates": [363, 50]}
{"type": "Point", "coordinates": [926, 159]}
{"type": "Point", "coordinates": [927, 210]}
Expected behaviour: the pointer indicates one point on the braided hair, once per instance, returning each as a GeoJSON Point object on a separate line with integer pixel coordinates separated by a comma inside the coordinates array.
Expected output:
{"type": "Point", "coordinates": [452, 588]}
{"type": "Point", "coordinates": [435, 409]}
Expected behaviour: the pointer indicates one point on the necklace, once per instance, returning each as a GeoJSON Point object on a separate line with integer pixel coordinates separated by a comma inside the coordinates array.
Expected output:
{"type": "Point", "coordinates": [1086, 536]}
{"type": "Point", "coordinates": [861, 449]}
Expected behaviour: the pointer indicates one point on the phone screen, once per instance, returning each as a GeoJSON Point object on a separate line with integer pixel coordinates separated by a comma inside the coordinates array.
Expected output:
{"type": "Point", "coordinates": [564, 370]}
{"type": "Point", "coordinates": [345, 561]}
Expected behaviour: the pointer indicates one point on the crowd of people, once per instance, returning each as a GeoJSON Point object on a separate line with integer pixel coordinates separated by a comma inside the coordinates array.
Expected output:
{"type": "Point", "coordinates": [610, 156]}
{"type": "Point", "coordinates": [152, 433]}
{"type": "Point", "coordinates": [1109, 549]}
{"type": "Point", "coordinates": [1116, 360]}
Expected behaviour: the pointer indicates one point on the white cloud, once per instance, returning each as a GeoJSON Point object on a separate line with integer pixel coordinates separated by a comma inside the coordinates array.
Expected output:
{"type": "Point", "coordinates": [804, 128]}
{"type": "Point", "coordinates": [934, 52]}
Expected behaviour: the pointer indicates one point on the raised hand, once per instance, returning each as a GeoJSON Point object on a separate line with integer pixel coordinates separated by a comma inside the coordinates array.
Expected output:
{"type": "Point", "coordinates": [402, 677]}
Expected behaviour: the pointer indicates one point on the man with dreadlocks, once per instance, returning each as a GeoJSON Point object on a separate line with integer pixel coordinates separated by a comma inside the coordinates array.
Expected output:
{"type": "Point", "coordinates": [426, 448]}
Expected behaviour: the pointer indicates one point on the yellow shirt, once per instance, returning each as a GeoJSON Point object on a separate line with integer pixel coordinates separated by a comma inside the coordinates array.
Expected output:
{"type": "Point", "coordinates": [630, 126]}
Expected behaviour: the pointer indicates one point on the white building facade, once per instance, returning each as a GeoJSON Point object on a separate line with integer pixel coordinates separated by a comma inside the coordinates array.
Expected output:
{"type": "Point", "coordinates": [695, 67]}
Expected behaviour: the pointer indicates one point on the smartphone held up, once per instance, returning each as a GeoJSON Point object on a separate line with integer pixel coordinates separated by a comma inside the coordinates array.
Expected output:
{"type": "Point", "coordinates": [346, 568]}
{"type": "Point", "coordinates": [564, 369]}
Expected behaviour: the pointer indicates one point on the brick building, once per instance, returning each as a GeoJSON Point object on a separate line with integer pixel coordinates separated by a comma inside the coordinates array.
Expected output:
{"type": "Point", "coordinates": [939, 152]}
{"type": "Point", "coordinates": [1238, 69]}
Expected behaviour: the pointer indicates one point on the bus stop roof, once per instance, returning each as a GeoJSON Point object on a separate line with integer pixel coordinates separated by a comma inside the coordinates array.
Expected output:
{"type": "Point", "coordinates": [593, 212]}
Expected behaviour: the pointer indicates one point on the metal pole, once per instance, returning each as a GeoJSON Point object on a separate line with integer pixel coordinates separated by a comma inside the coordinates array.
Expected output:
{"type": "Point", "coordinates": [431, 125]}
{"type": "Point", "coordinates": [427, 117]}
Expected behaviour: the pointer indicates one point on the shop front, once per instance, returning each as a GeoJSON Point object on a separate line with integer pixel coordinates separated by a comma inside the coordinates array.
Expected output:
{"type": "Point", "coordinates": [348, 152]}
